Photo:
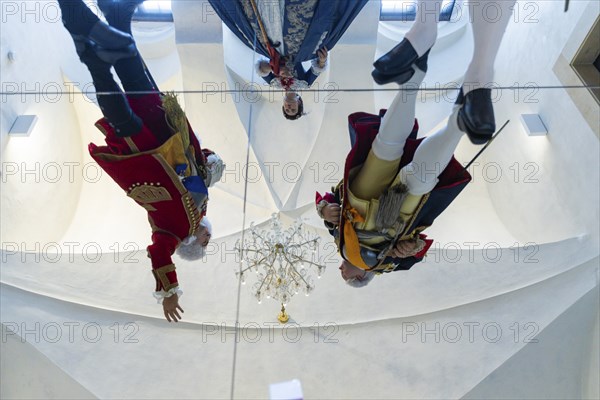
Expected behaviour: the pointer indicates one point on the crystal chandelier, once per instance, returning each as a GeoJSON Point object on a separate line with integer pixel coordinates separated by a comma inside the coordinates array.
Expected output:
{"type": "Point", "coordinates": [283, 261]}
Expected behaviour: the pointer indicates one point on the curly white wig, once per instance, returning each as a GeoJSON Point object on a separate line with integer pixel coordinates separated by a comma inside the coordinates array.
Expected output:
{"type": "Point", "coordinates": [190, 249]}
{"type": "Point", "coordinates": [355, 283]}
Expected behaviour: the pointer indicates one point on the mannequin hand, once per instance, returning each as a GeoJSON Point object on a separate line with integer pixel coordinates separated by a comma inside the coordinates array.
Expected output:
{"type": "Point", "coordinates": [265, 67]}
{"type": "Point", "coordinates": [407, 248]}
{"type": "Point", "coordinates": [170, 307]}
{"type": "Point", "coordinates": [332, 213]}
{"type": "Point", "coordinates": [323, 54]}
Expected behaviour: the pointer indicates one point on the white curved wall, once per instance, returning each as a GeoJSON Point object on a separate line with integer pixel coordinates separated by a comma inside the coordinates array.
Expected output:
{"type": "Point", "coordinates": [556, 185]}
{"type": "Point", "coordinates": [41, 174]}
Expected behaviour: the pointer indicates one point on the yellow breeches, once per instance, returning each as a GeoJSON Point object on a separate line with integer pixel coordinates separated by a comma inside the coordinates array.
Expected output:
{"type": "Point", "coordinates": [367, 183]}
{"type": "Point", "coordinates": [374, 177]}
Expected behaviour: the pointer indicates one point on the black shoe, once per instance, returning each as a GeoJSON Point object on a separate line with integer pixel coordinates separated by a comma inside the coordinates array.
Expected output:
{"type": "Point", "coordinates": [83, 45]}
{"type": "Point", "coordinates": [402, 77]}
{"type": "Point", "coordinates": [383, 79]}
{"type": "Point", "coordinates": [113, 56]}
{"type": "Point", "coordinates": [111, 45]}
{"type": "Point", "coordinates": [398, 60]}
{"type": "Point", "coordinates": [476, 116]}
{"type": "Point", "coordinates": [109, 38]}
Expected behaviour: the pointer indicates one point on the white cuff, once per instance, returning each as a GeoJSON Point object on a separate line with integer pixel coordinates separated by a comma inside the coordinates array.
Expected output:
{"type": "Point", "coordinates": [315, 65]}
{"type": "Point", "coordinates": [257, 68]}
{"type": "Point", "coordinates": [160, 296]}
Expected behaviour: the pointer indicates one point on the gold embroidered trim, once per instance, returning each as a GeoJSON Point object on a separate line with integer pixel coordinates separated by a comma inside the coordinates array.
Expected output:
{"type": "Point", "coordinates": [191, 212]}
{"type": "Point", "coordinates": [148, 194]}
{"type": "Point", "coordinates": [161, 274]}
{"type": "Point", "coordinates": [171, 172]}
{"type": "Point", "coordinates": [148, 207]}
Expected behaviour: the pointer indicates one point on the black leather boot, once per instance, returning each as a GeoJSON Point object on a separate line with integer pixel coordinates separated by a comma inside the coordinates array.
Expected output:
{"type": "Point", "coordinates": [476, 116]}
{"type": "Point", "coordinates": [111, 45]}
{"type": "Point", "coordinates": [398, 60]}
{"type": "Point", "coordinates": [109, 38]}
{"type": "Point", "coordinates": [404, 76]}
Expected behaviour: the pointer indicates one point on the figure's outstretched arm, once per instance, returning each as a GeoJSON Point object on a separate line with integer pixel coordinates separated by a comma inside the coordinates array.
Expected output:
{"type": "Point", "coordinates": [167, 287]}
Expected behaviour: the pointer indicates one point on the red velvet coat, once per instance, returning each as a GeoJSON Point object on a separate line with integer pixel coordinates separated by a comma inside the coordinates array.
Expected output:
{"type": "Point", "coordinates": [138, 165]}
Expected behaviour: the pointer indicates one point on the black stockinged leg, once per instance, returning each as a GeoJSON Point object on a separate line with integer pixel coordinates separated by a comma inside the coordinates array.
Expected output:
{"type": "Point", "coordinates": [77, 17]}
{"type": "Point", "coordinates": [112, 101]}
{"type": "Point", "coordinates": [131, 71]}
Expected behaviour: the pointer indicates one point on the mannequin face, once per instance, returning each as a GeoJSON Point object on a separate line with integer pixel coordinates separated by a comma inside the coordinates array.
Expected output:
{"type": "Point", "coordinates": [203, 236]}
{"type": "Point", "coordinates": [349, 271]}
{"type": "Point", "coordinates": [290, 103]}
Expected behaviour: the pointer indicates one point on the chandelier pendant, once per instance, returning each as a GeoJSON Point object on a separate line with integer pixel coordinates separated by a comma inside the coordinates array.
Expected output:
{"type": "Point", "coordinates": [284, 261]}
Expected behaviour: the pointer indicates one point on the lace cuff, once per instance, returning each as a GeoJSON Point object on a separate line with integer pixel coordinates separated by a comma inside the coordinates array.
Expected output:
{"type": "Point", "coordinates": [160, 296]}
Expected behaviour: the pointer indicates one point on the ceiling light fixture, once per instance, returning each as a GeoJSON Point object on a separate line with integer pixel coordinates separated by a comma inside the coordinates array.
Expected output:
{"type": "Point", "coordinates": [282, 260]}
{"type": "Point", "coordinates": [23, 125]}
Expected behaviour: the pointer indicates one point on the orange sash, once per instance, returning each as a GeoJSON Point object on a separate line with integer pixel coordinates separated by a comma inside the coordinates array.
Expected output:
{"type": "Point", "coordinates": [351, 243]}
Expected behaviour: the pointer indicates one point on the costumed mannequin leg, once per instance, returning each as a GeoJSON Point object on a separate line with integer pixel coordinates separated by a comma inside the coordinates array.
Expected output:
{"type": "Point", "coordinates": [383, 161]}
{"type": "Point", "coordinates": [131, 71]}
{"type": "Point", "coordinates": [414, 47]}
{"type": "Point", "coordinates": [489, 19]}
{"type": "Point", "coordinates": [114, 106]}
{"type": "Point", "coordinates": [431, 158]}
{"type": "Point", "coordinates": [80, 21]}
{"type": "Point", "coordinates": [77, 17]}
{"type": "Point", "coordinates": [423, 32]}
{"type": "Point", "coordinates": [88, 31]}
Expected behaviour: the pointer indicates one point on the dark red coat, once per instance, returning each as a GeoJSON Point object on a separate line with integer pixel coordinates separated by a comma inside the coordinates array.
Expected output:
{"type": "Point", "coordinates": [149, 178]}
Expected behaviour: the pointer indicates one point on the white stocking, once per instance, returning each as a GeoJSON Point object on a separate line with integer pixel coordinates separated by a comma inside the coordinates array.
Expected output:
{"type": "Point", "coordinates": [432, 156]}
{"type": "Point", "coordinates": [489, 19]}
{"type": "Point", "coordinates": [423, 32]}
{"type": "Point", "coordinates": [398, 122]}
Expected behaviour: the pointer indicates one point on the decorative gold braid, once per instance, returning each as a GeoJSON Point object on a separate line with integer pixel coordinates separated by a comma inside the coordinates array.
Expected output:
{"type": "Point", "coordinates": [191, 211]}
{"type": "Point", "coordinates": [161, 275]}
{"type": "Point", "coordinates": [148, 194]}
{"type": "Point", "coordinates": [176, 117]}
